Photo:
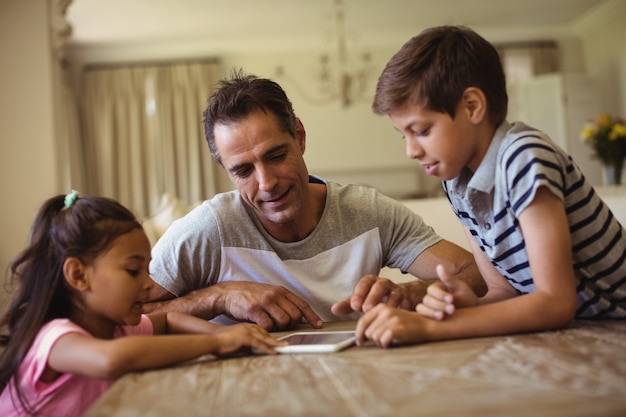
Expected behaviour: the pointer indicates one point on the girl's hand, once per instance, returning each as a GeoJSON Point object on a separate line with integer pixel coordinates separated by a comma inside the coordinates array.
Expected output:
{"type": "Point", "coordinates": [244, 337]}
{"type": "Point", "coordinates": [445, 296]}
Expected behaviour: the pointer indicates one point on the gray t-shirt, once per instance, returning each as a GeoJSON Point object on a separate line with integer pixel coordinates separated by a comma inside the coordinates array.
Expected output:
{"type": "Point", "coordinates": [489, 202]}
{"type": "Point", "coordinates": [360, 231]}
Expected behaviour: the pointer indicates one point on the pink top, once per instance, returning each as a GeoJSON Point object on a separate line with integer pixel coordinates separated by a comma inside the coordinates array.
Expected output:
{"type": "Point", "coordinates": [70, 394]}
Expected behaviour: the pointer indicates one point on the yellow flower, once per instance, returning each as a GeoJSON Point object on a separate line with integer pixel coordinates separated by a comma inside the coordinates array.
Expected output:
{"type": "Point", "coordinates": [607, 138]}
{"type": "Point", "coordinates": [618, 131]}
{"type": "Point", "coordinates": [588, 132]}
{"type": "Point", "coordinates": [604, 120]}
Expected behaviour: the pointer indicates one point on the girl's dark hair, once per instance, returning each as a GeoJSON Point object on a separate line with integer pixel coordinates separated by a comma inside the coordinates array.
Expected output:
{"type": "Point", "coordinates": [434, 68]}
{"type": "Point", "coordinates": [237, 97]}
{"type": "Point", "coordinates": [84, 230]}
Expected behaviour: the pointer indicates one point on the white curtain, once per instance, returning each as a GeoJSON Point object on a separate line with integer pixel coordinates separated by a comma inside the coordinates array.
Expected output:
{"type": "Point", "coordinates": [144, 135]}
{"type": "Point", "coordinates": [68, 146]}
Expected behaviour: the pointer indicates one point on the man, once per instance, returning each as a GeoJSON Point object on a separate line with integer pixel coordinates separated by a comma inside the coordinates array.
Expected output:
{"type": "Point", "coordinates": [286, 246]}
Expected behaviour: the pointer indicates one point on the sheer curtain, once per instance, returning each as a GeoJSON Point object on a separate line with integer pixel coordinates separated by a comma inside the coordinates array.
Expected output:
{"type": "Point", "coordinates": [68, 144]}
{"type": "Point", "coordinates": [144, 135]}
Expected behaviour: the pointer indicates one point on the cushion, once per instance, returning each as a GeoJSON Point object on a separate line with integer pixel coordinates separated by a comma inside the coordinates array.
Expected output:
{"type": "Point", "coordinates": [170, 208]}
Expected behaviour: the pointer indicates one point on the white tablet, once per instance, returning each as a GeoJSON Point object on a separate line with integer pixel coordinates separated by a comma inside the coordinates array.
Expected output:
{"type": "Point", "coordinates": [317, 342]}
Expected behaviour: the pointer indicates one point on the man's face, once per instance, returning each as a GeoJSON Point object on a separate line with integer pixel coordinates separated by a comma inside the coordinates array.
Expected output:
{"type": "Point", "coordinates": [266, 165]}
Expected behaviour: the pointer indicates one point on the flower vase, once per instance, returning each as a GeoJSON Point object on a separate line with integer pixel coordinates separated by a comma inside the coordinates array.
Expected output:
{"type": "Point", "coordinates": [613, 173]}
{"type": "Point", "coordinates": [617, 172]}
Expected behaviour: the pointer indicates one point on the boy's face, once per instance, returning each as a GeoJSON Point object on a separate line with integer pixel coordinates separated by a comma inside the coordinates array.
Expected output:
{"type": "Point", "coordinates": [442, 145]}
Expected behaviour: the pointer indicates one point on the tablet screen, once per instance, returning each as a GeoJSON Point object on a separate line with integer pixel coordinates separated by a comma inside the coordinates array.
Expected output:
{"type": "Point", "coordinates": [317, 338]}
{"type": "Point", "coordinates": [303, 342]}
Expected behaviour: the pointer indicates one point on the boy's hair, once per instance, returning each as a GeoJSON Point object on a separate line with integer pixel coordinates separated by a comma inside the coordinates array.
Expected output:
{"type": "Point", "coordinates": [434, 68]}
{"type": "Point", "coordinates": [85, 230]}
{"type": "Point", "coordinates": [239, 96]}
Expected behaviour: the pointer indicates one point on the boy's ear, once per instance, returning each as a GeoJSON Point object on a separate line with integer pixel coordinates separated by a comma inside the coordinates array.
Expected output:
{"type": "Point", "coordinates": [475, 104]}
{"type": "Point", "coordinates": [74, 272]}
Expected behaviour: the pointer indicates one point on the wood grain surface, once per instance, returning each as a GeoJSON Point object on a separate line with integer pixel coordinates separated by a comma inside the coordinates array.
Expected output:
{"type": "Point", "coordinates": [577, 371]}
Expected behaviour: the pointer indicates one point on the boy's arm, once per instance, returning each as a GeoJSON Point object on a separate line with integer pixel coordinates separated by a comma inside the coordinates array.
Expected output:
{"type": "Point", "coordinates": [552, 304]}
{"type": "Point", "coordinates": [498, 288]}
{"type": "Point", "coordinates": [548, 244]}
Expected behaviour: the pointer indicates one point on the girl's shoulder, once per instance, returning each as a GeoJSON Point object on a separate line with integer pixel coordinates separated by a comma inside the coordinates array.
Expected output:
{"type": "Point", "coordinates": [53, 330]}
{"type": "Point", "coordinates": [46, 338]}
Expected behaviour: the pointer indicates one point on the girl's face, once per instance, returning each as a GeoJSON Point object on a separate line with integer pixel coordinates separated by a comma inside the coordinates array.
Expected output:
{"type": "Point", "coordinates": [118, 282]}
{"type": "Point", "coordinates": [441, 144]}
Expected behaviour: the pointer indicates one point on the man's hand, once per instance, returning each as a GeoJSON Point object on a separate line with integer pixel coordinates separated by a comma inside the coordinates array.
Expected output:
{"type": "Point", "coordinates": [370, 291]}
{"type": "Point", "coordinates": [270, 306]}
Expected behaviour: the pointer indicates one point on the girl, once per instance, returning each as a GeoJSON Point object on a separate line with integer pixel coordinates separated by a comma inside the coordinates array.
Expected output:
{"type": "Point", "coordinates": [76, 322]}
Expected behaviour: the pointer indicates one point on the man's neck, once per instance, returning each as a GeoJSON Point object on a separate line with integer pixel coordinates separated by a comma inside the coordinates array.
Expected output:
{"type": "Point", "coordinates": [308, 219]}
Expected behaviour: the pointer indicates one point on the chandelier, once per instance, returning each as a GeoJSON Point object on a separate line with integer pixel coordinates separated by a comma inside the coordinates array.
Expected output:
{"type": "Point", "coordinates": [340, 78]}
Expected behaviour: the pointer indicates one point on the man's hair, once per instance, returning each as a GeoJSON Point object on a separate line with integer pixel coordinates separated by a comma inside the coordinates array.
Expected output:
{"type": "Point", "coordinates": [237, 97]}
{"type": "Point", "coordinates": [434, 68]}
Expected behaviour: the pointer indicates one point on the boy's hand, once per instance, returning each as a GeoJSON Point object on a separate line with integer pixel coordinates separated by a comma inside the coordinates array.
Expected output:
{"type": "Point", "coordinates": [445, 296]}
{"type": "Point", "coordinates": [370, 291]}
{"type": "Point", "coordinates": [387, 326]}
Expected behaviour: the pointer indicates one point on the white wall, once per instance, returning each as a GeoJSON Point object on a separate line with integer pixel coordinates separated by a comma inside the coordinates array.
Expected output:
{"type": "Point", "coordinates": [604, 48]}
{"type": "Point", "coordinates": [27, 169]}
{"type": "Point", "coordinates": [343, 144]}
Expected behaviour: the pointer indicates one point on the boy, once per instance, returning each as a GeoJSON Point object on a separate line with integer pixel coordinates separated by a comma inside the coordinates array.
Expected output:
{"type": "Point", "coordinates": [547, 246]}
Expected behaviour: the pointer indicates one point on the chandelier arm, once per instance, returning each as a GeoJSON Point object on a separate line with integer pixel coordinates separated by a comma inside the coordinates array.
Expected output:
{"type": "Point", "coordinates": [340, 83]}
{"type": "Point", "coordinates": [306, 96]}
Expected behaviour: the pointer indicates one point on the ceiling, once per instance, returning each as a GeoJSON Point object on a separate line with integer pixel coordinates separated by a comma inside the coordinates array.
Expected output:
{"type": "Point", "coordinates": [241, 23]}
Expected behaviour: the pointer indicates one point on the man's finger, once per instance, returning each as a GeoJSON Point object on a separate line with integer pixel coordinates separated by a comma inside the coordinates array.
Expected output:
{"type": "Point", "coordinates": [263, 319]}
{"type": "Point", "coordinates": [342, 308]}
{"type": "Point", "coordinates": [395, 297]}
{"type": "Point", "coordinates": [361, 291]}
{"type": "Point", "coordinates": [305, 310]}
{"type": "Point", "coordinates": [379, 291]}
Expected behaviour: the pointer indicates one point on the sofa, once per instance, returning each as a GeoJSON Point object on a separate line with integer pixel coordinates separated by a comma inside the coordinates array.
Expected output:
{"type": "Point", "coordinates": [437, 213]}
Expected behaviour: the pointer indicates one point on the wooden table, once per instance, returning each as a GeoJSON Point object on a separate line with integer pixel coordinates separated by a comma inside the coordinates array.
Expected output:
{"type": "Point", "coordinates": [578, 371]}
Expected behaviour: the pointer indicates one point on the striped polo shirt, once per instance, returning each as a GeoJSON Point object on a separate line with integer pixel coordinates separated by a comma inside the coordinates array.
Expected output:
{"type": "Point", "coordinates": [520, 159]}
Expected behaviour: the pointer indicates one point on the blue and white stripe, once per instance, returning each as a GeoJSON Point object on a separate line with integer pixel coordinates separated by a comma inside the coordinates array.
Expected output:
{"type": "Point", "coordinates": [521, 159]}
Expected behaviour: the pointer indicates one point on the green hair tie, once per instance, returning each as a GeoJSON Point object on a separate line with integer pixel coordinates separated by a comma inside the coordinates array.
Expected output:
{"type": "Point", "coordinates": [70, 198]}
